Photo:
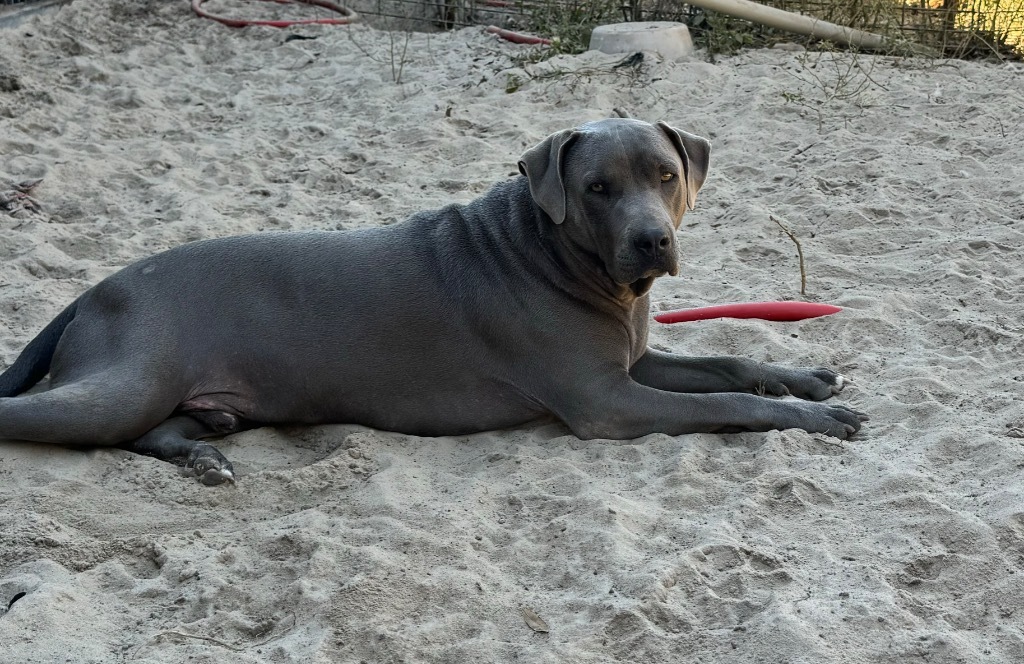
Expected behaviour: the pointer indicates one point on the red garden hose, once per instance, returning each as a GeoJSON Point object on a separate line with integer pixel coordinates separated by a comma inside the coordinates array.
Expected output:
{"type": "Point", "coordinates": [347, 15]}
{"type": "Point", "coordinates": [515, 37]}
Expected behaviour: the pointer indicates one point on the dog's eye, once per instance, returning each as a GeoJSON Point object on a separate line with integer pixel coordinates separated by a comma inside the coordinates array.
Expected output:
{"type": "Point", "coordinates": [597, 187]}
{"type": "Point", "coordinates": [667, 177]}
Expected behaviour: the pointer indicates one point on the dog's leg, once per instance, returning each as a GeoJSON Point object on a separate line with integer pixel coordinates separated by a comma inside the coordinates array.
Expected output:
{"type": "Point", "coordinates": [99, 410]}
{"type": "Point", "coordinates": [676, 373]}
{"type": "Point", "coordinates": [109, 409]}
{"type": "Point", "coordinates": [621, 408]}
{"type": "Point", "coordinates": [177, 440]}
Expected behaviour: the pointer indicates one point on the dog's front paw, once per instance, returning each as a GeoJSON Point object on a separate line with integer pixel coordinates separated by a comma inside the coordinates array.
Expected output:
{"type": "Point", "coordinates": [838, 421]}
{"type": "Point", "coordinates": [814, 384]}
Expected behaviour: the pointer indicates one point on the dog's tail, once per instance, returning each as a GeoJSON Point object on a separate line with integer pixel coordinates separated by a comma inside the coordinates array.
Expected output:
{"type": "Point", "coordinates": [34, 361]}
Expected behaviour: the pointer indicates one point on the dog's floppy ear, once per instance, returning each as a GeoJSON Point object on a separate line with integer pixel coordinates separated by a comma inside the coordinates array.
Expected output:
{"type": "Point", "coordinates": [696, 154]}
{"type": "Point", "coordinates": [542, 165]}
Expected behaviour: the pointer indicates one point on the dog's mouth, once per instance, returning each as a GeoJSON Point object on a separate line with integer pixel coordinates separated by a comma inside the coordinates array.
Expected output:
{"type": "Point", "coordinates": [639, 278]}
{"type": "Point", "coordinates": [642, 285]}
{"type": "Point", "coordinates": [638, 284]}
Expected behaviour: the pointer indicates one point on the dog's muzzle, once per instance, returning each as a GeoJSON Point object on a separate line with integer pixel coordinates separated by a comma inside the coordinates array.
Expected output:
{"type": "Point", "coordinates": [653, 253]}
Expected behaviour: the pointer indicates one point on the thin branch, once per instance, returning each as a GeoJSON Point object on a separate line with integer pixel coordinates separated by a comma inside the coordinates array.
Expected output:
{"type": "Point", "coordinates": [799, 252]}
{"type": "Point", "coordinates": [202, 638]}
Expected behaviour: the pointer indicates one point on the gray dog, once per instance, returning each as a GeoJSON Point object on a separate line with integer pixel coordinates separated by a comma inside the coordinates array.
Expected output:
{"type": "Point", "coordinates": [528, 302]}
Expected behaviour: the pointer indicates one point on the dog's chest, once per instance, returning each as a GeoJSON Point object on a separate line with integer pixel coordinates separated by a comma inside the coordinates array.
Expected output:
{"type": "Point", "coordinates": [637, 329]}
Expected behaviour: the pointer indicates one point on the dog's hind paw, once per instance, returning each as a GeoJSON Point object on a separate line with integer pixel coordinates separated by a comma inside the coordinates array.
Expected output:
{"type": "Point", "coordinates": [209, 465]}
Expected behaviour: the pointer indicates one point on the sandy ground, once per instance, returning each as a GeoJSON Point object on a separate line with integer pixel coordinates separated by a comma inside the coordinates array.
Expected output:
{"type": "Point", "coordinates": [342, 544]}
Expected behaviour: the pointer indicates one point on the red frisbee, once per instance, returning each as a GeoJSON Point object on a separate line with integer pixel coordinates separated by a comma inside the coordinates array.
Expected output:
{"type": "Point", "coordinates": [777, 311]}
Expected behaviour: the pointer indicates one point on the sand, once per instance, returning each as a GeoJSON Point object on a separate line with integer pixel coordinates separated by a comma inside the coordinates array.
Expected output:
{"type": "Point", "coordinates": [343, 544]}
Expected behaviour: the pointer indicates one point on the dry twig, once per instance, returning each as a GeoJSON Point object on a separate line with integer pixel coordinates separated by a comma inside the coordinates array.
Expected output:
{"type": "Point", "coordinates": [799, 252]}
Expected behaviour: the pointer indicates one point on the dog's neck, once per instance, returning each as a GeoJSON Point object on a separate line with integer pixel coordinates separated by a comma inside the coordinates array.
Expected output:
{"type": "Point", "coordinates": [567, 264]}
{"type": "Point", "coordinates": [588, 274]}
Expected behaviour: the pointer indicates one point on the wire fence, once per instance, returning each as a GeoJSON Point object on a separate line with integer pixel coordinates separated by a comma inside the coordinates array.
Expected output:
{"type": "Point", "coordinates": [956, 28]}
{"type": "Point", "coordinates": [966, 28]}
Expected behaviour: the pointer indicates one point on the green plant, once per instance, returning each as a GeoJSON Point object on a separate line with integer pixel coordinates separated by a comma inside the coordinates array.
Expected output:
{"type": "Point", "coordinates": [723, 35]}
{"type": "Point", "coordinates": [513, 83]}
{"type": "Point", "coordinates": [629, 72]}
{"type": "Point", "coordinates": [569, 23]}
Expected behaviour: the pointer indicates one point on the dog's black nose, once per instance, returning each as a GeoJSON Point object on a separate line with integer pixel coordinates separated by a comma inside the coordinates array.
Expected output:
{"type": "Point", "coordinates": [652, 242]}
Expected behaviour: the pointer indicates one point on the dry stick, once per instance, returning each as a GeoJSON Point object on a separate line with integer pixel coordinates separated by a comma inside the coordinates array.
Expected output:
{"type": "Point", "coordinates": [201, 638]}
{"type": "Point", "coordinates": [397, 77]}
{"type": "Point", "coordinates": [803, 150]}
{"type": "Point", "coordinates": [221, 643]}
{"type": "Point", "coordinates": [799, 252]}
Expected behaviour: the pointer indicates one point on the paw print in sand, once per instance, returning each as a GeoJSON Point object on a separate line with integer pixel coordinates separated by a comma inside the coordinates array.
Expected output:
{"type": "Point", "coordinates": [727, 583]}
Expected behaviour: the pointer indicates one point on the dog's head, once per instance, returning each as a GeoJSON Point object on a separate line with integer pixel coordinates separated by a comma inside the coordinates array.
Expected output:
{"type": "Point", "coordinates": [620, 187]}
